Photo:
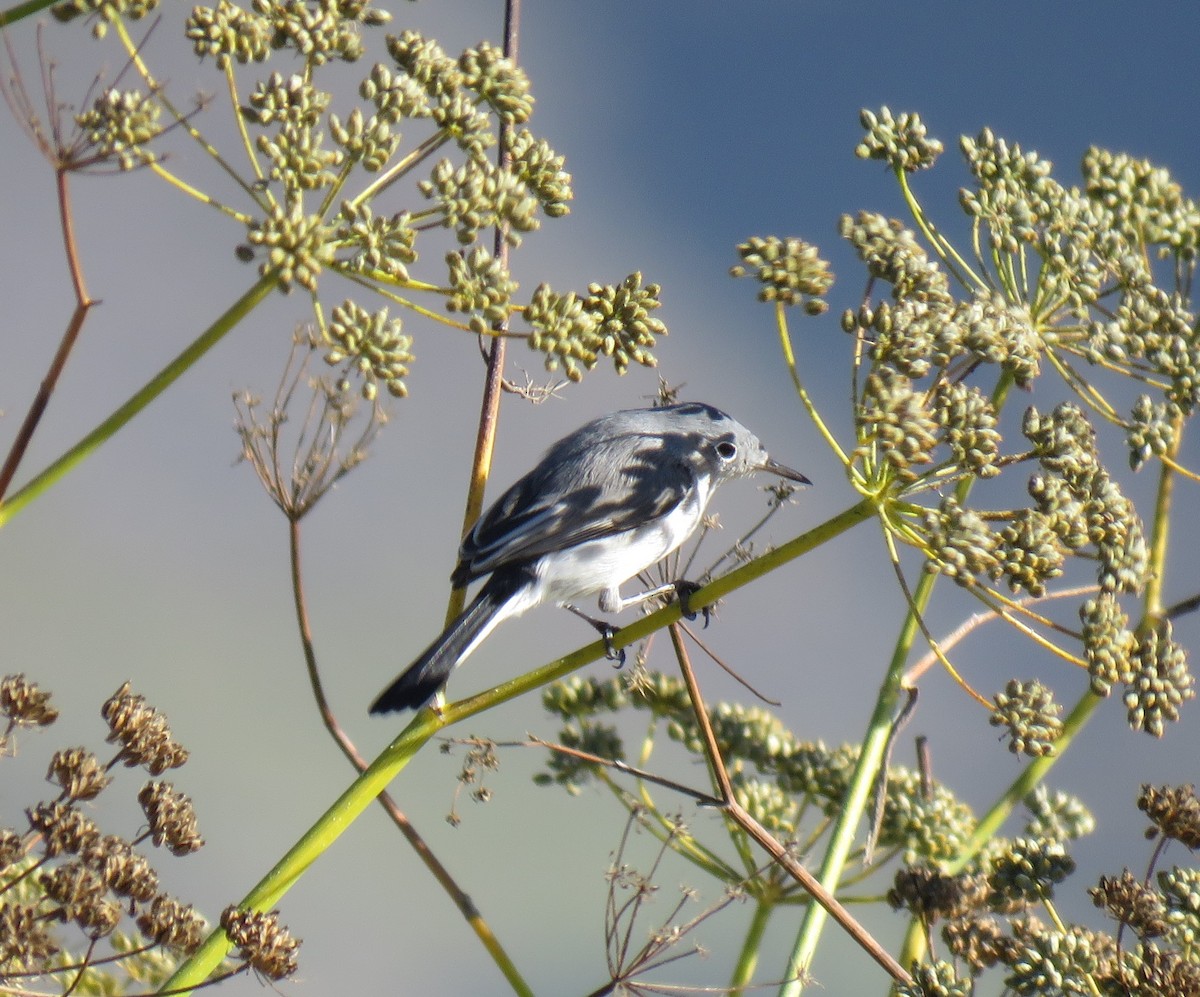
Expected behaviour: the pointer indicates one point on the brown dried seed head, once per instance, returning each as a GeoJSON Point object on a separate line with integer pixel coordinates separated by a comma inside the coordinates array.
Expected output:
{"type": "Point", "coordinates": [261, 941]}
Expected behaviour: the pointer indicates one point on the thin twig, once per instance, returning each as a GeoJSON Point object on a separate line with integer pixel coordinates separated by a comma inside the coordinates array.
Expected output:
{"type": "Point", "coordinates": [976, 621]}
{"type": "Point", "coordinates": [83, 304]}
{"type": "Point", "coordinates": [728, 669]}
{"type": "Point", "coordinates": [704, 799]}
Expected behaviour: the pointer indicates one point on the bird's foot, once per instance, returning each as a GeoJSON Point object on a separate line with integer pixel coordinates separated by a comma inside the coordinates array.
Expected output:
{"type": "Point", "coordinates": [607, 632]}
{"type": "Point", "coordinates": [684, 590]}
{"type": "Point", "coordinates": [611, 651]}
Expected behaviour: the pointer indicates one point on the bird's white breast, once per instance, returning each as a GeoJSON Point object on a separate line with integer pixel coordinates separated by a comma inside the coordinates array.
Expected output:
{"type": "Point", "coordinates": [606, 562]}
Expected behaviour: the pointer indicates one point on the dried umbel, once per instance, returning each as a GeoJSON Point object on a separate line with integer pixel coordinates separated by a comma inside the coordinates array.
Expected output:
{"type": "Point", "coordinates": [171, 818]}
{"type": "Point", "coordinates": [79, 772]}
{"type": "Point", "coordinates": [142, 732]}
{"type": "Point", "coordinates": [66, 880]}
{"type": "Point", "coordinates": [24, 704]}
{"type": "Point", "coordinates": [261, 941]}
{"type": "Point", "coordinates": [1175, 812]}
{"type": "Point", "coordinates": [171, 923]}
{"type": "Point", "coordinates": [1131, 902]}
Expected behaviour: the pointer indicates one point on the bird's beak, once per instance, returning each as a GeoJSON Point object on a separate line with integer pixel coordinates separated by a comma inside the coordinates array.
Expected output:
{"type": "Point", "coordinates": [774, 467]}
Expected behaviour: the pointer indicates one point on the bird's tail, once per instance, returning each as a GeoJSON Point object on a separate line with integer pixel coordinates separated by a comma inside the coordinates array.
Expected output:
{"type": "Point", "coordinates": [425, 676]}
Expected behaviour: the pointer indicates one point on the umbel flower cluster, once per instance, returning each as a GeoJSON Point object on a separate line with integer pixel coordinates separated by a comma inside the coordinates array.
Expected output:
{"type": "Point", "coordinates": [1072, 293]}
{"type": "Point", "coordinates": [84, 908]}
{"type": "Point", "coordinates": [322, 188]}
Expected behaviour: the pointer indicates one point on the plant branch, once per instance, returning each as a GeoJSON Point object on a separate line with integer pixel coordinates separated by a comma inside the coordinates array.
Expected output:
{"type": "Point", "coordinates": [428, 722]}
{"type": "Point", "coordinates": [140, 399]}
{"type": "Point", "coordinates": [83, 304]}
{"type": "Point", "coordinates": [493, 385]}
{"type": "Point", "coordinates": [738, 814]}
{"type": "Point", "coordinates": [461, 899]}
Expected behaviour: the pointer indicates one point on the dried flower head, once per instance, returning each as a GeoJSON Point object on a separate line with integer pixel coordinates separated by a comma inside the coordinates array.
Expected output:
{"type": "Point", "coordinates": [25, 942]}
{"type": "Point", "coordinates": [174, 924]}
{"type": "Point", "coordinates": [63, 829]}
{"type": "Point", "coordinates": [935, 896]}
{"type": "Point", "coordinates": [79, 773]}
{"type": "Point", "coordinates": [122, 870]}
{"type": "Point", "coordinates": [171, 818]}
{"type": "Point", "coordinates": [82, 898]}
{"type": "Point", "coordinates": [1127, 899]}
{"type": "Point", "coordinates": [977, 940]}
{"type": "Point", "coordinates": [1175, 811]}
{"type": "Point", "coordinates": [142, 732]}
{"type": "Point", "coordinates": [261, 941]}
{"type": "Point", "coordinates": [24, 704]}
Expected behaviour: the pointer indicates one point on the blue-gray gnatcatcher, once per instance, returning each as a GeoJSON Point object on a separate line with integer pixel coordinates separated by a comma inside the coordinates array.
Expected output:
{"type": "Point", "coordinates": [603, 504]}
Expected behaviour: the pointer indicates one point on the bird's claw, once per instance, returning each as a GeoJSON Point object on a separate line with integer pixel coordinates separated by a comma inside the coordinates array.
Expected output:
{"type": "Point", "coordinates": [684, 590]}
{"type": "Point", "coordinates": [611, 651]}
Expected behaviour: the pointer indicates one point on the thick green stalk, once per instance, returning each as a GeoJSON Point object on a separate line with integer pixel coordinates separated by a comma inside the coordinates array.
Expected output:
{"type": "Point", "coordinates": [22, 11]}
{"type": "Point", "coordinates": [143, 397]}
{"type": "Point", "coordinates": [426, 724]}
{"type": "Point", "coordinates": [870, 758]}
{"type": "Point", "coordinates": [874, 746]}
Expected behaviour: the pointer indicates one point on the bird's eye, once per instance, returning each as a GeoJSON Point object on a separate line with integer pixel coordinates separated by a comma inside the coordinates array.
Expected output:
{"type": "Point", "coordinates": [726, 450]}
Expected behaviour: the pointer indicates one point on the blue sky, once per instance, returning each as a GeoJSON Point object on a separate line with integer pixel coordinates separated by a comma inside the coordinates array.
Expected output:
{"type": "Point", "coordinates": [686, 128]}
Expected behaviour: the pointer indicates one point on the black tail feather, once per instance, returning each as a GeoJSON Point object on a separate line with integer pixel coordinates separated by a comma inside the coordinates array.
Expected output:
{"type": "Point", "coordinates": [425, 676]}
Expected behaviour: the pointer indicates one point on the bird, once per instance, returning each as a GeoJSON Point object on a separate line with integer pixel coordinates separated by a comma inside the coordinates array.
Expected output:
{"type": "Point", "coordinates": [603, 504]}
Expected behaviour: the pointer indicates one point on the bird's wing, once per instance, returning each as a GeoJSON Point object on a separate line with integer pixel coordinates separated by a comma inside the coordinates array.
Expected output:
{"type": "Point", "coordinates": [543, 513]}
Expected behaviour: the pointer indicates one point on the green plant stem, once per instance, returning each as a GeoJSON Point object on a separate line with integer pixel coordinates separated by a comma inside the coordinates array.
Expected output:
{"type": "Point", "coordinates": [466, 906]}
{"type": "Point", "coordinates": [22, 11]}
{"type": "Point", "coordinates": [871, 757]}
{"type": "Point", "coordinates": [1025, 783]}
{"type": "Point", "coordinates": [743, 972]}
{"type": "Point", "coordinates": [143, 397]}
{"type": "Point", "coordinates": [362, 792]}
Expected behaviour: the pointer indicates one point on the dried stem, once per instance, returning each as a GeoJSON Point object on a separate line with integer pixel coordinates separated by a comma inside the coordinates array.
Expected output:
{"type": "Point", "coordinates": [762, 836]}
{"type": "Point", "coordinates": [83, 304]}
{"type": "Point", "coordinates": [493, 385]}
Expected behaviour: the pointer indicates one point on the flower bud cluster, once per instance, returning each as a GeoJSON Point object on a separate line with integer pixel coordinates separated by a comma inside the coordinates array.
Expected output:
{"type": "Point", "coordinates": [373, 345]}
{"type": "Point", "coordinates": [901, 142]}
